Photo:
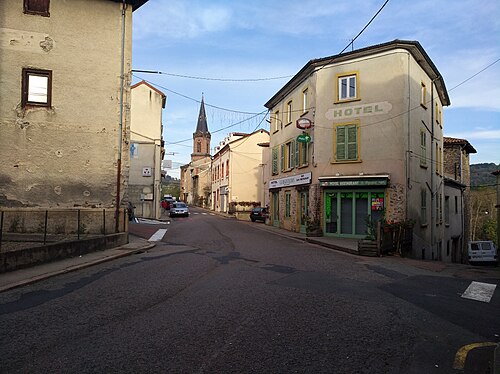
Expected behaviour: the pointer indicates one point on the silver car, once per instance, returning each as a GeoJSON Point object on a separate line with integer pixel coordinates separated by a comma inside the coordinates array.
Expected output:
{"type": "Point", "coordinates": [179, 209]}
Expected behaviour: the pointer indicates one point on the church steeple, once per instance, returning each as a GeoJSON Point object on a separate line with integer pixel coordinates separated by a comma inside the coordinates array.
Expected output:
{"type": "Point", "coordinates": [201, 137]}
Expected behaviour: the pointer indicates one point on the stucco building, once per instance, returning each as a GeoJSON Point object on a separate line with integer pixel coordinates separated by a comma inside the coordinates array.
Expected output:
{"type": "Point", "coordinates": [369, 146]}
{"type": "Point", "coordinates": [63, 104]}
{"type": "Point", "coordinates": [195, 176]}
{"type": "Point", "coordinates": [237, 172]}
{"type": "Point", "coordinates": [146, 149]}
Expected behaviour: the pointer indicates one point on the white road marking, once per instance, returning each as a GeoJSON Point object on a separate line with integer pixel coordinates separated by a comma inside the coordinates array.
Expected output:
{"type": "Point", "coordinates": [479, 291]}
{"type": "Point", "coordinates": [204, 214]}
{"type": "Point", "coordinates": [151, 221]}
{"type": "Point", "coordinates": [158, 235]}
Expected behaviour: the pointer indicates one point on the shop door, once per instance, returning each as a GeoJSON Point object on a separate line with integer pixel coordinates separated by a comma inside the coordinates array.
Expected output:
{"type": "Point", "coordinates": [276, 209]}
{"type": "Point", "coordinates": [303, 210]}
{"type": "Point", "coordinates": [331, 213]}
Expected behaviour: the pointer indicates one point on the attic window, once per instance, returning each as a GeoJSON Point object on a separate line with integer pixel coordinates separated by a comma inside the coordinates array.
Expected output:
{"type": "Point", "coordinates": [38, 7]}
{"type": "Point", "coordinates": [36, 87]}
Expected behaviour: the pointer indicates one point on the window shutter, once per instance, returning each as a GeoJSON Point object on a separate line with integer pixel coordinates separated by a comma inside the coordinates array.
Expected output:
{"type": "Point", "coordinates": [275, 160]}
{"type": "Point", "coordinates": [352, 143]}
{"type": "Point", "coordinates": [341, 139]}
{"type": "Point", "coordinates": [297, 153]}
{"type": "Point", "coordinates": [282, 158]}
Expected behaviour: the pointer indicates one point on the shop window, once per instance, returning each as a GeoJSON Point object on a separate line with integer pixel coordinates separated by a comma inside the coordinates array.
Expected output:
{"type": "Point", "coordinates": [346, 143]}
{"type": "Point", "coordinates": [37, 87]}
{"type": "Point", "coordinates": [347, 87]}
{"type": "Point", "coordinates": [38, 7]}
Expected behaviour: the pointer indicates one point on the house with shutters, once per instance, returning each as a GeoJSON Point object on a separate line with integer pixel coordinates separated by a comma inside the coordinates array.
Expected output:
{"type": "Point", "coordinates": [146, 149]}
{"type": "Point", "coordinates": [237, 172]}
{"type": "Point", "coordinates": [358, 137]}
{"type": "Point", "coordinates": [64, 103]}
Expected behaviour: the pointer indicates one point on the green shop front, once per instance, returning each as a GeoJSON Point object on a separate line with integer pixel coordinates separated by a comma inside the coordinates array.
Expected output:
{"type": "Point", "coordinates": [351, 203]}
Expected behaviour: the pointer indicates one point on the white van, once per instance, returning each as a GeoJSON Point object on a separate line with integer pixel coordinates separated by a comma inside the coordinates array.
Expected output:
{"type": "Point", "coordinates": [482, 251]}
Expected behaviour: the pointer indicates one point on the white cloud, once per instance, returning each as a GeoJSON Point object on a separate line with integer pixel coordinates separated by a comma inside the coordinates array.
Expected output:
{"type": "Point", "coordinates": [176, 19]}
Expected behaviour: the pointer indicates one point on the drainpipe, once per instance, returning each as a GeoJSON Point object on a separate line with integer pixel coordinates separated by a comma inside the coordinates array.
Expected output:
{"type": "Point", "coordinates": [120, 125]}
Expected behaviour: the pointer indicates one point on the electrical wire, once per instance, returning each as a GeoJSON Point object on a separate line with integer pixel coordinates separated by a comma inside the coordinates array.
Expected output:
{"type": "Point", "coordinates": [211, 79]}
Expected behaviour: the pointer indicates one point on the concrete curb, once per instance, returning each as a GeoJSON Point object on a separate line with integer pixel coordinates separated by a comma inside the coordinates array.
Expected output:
{"type": "Point", "coordinates": [496, 360]}
{"type": "Point", "coordinates": [40, 277]}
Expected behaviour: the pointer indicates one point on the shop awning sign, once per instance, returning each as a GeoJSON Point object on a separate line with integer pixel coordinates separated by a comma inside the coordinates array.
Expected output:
{"type": "Point", "coordinates": [304, 138]}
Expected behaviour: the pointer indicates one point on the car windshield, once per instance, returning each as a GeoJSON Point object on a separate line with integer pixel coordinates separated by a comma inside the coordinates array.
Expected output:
{"type": "Point", "coordinates": [179, 205]}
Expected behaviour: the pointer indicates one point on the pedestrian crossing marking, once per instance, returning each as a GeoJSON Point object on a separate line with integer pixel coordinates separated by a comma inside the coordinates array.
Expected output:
{"type": "Point", "coordinates": [480, 291]}
{"type": "Point", "coordinates": [158, 235]}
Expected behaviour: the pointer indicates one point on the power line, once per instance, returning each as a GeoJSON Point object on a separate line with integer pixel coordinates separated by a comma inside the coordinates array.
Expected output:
{"type": "Point", "coordinates": [364, 28]}
{"type": "Point", "coordinates": [211, 79]}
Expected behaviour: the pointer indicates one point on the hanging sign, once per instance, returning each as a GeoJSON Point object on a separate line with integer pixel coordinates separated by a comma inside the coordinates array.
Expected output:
{"type": "Point", "coordinates": [303, 138]}
{"type": "Point", "coordinates": [303, 123]}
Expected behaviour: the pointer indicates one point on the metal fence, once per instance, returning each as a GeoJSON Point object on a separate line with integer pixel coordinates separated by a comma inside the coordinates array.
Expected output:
{"type": "Point", "coordinates": [27, 227]}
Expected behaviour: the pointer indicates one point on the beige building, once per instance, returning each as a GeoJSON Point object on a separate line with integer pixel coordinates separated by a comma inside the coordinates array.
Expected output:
{"type": "Point", "coordinates": [146, 150]}
{"type": "Point", "coordinates": [237, 172]}
{"type": "Point", "coordinates": [195, 177]}
{"type": "Point", "coordinates": [369, 146]}
{"type": "Point", "coordinates": [63, 104]}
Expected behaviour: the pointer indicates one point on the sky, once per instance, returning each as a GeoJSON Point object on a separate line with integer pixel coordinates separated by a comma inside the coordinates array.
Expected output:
{"type": "Point", "coordinates": [245, 51]}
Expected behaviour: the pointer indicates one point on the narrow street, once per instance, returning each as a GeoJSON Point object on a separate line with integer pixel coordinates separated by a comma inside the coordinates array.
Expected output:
{"type": "Point", "coordinates": [218, 295]}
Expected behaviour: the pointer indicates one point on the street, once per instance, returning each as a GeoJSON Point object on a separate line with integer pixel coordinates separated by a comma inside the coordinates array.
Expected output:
{"type": "Point", "coordinates": [218, 295]}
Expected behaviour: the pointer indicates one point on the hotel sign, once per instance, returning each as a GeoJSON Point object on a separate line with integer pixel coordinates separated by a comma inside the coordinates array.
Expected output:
{"type": "Point", "coordinates": [353, 183]}
{"type": "Point", "coordinates": [359, 111]}
{"type": "Point", "coordinates": [295, 180]}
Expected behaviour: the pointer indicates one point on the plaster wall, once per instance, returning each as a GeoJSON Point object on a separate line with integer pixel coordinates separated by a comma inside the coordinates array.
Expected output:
{"type": "Point", "coordinates": [65, 155]}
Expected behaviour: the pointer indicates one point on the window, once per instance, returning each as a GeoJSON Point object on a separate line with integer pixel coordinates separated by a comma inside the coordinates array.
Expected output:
{"type": "Point", "coordinates": [347, 88]}
{"type": "Point", "coordinates": [305, 100]}
{"type": "Point", "coordinates": [276, 120]}
{"type": "Point", "coordinates": [289, 112]}
{"type": "Point", "coordinates": [346, 143]}
{"type": "Point", "coordinates": [456, 204]}
{"type": "Point", "coordinates": [275, 160]}
{"type": "Point", "coordinates": [303, 154]}
{"type": "Point", "coordinates": [288, 201]}
{"type": "Point", "coordinates": [423, 207]}
{"type": "Point", "coordinates": [198, 146]}
{"type": "Point", "coordinates": [39, 7]}
{"type": "Point", "coordinates": [222, 170]}
{"type": "Point", "coordinates": [289, 155]}
{"type": "Point", "coordinates": [227, 168]}
{"type": "Point", "coordinates": [37, 87]}
{"type": "Point", "coordinates": [436, 113]}
{"type": "Point", "coordinates": [423, 148]}
{"type": "Point", "coordinates": [423, 95]}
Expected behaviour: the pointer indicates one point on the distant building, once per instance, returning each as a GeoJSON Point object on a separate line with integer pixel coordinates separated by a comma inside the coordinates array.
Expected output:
{"type": "Point", "coordinates": [358, 137]}
{"type": "Point", "coordinates": [146, 150]}
{"type": "Point", "coordinates": [195, 176]}
{"type": "Point", "coordinates": [63, 112]}
{"type": "Point", "coordinates": [457, 200]}
{"type": "Point", "coordinates": [237, 172]}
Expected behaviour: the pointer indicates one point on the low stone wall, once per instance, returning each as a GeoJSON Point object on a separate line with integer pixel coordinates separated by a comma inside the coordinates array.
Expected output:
{"type": "Point", "coordinates": [23, 258]}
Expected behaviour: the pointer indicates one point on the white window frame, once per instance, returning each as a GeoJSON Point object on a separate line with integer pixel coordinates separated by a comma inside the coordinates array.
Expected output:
{"type": "Point", "coordinates": [345, 81]}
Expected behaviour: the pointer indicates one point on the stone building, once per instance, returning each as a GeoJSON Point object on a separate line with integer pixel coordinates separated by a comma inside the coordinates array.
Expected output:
{"type": "Point", "coordinates": [356, 138]}
{"type": "Point", "coordinates": [457, 199]}
{"type": "Point", "coordinates": [64, 114]}
{"type": "Point", "coordinates": [146, 150]}
{"type": "Point", "coordinates": [237, 172]}
{"type": "Point", "coordinates": [195, 176]}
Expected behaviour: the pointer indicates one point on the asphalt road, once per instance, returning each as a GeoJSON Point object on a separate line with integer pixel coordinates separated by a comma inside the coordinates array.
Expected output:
{"type": "Point", "coordinates": [223, 296]}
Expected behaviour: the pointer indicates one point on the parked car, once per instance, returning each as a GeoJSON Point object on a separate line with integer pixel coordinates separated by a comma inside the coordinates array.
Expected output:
{"type": "Point", "coordinates": [482, 251]}
{"type": "Point", "coordinates": [179, 209]}
{"type": "Point", "coordinates": [258, 214]}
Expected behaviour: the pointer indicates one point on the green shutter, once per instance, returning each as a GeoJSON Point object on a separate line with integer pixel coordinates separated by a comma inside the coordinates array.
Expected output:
{"type": "Point", "coordinates": [275, 160]}
{"type": "Point", "coordinates": [297, 153]}
{"type": "Point", "coordinates": [282, 158]}
{"type": "Point", "coordinates": [341, 146]}
{"type": "Point", "coordinates": [352, 142]}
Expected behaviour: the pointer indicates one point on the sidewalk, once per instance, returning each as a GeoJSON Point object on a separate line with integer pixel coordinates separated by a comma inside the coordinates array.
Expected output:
{"type": "Point", "coordinates": [22, 277]}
